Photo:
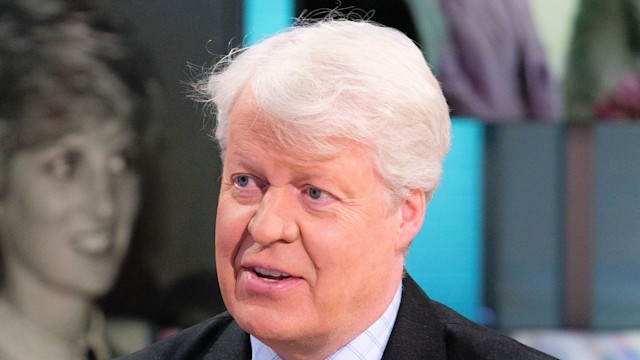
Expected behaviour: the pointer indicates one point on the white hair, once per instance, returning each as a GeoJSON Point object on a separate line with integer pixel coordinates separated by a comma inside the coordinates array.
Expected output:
{"type": "Point", "coordinates": [339, 79]}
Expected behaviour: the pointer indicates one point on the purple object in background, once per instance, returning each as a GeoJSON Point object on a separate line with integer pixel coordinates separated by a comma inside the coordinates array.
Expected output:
{"type": "Point", "coordinates": [494, 66]}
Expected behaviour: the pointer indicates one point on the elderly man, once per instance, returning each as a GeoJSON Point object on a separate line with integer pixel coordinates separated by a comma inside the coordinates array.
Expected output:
{"type": "Point", "coordinates": [332, 136]}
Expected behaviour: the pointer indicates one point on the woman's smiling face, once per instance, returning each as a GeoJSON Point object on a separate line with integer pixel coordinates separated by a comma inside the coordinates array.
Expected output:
{"type": "Point", "coordinates": [308, 252]}
{"type": "Point", "coordinates": [68, 209]}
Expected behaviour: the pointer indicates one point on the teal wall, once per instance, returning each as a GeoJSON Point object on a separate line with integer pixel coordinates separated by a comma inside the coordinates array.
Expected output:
{"type": "Point", "coordinates": [446, 256]}
{"type": "Point", "coordinates": [263, 18]}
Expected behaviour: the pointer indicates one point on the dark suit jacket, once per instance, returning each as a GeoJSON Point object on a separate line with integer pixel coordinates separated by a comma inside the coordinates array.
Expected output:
{"type": "Point", "coordinates": [424, 329]}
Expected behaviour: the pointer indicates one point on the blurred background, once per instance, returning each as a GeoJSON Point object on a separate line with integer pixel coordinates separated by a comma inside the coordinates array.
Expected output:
{"type": "Point", "coordinates": [535, 229]}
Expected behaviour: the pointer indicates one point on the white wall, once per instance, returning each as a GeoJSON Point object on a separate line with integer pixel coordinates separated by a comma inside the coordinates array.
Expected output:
{"type": "Point", "coordinates": [554, 22]}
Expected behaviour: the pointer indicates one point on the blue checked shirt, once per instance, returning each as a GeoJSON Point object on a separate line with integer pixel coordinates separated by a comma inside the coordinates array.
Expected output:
{"type": "Point", "coordinates": [369, 345]}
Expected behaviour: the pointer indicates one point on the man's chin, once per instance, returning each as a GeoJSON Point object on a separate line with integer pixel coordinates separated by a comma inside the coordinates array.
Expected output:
{"type": "Point", "coordinates": [271, 325]}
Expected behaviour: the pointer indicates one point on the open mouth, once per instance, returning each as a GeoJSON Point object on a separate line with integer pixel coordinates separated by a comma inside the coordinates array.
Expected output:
{"type": "Point", "coordinates": [270, 275]}
{"type": "Point", "coordinates": [94, 244]}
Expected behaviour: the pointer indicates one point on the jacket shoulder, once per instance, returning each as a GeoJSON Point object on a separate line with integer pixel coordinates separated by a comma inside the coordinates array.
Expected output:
{"type": "Point", "coordinates": [218, 337]}
{"type": "Point", "coordinates": [426, 329]}
{"type": "Point", "coordinates": [465, 339]}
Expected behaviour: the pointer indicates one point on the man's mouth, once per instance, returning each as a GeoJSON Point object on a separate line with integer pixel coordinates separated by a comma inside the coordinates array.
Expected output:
{"type": "Point", "coordinates": [270, 275]}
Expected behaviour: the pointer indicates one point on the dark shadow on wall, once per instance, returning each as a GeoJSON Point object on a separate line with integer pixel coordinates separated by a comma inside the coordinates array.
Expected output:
{"type": "Point", "coordinates": [174, 239]}
{"type": "Point", "coordinates": [390, 13]}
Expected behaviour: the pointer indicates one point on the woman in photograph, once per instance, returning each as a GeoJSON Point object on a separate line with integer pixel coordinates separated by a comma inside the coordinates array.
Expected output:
{"type": "Point", "coordinates": [74, 102]}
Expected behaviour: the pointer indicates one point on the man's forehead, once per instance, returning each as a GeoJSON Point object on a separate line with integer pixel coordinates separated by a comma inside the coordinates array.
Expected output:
{"type": "Point", "coordinates": [249, 123]}
{"type": "Point", "coordinates": [261, 135]}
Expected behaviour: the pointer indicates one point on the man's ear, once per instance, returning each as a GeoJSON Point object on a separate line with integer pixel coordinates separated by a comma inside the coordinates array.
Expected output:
{"type": "Point", "coordinates": [412, 209]}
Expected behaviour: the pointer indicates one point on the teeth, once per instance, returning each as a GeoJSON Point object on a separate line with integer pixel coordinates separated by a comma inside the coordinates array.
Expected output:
{"type": "Point", "coordinates": [270, 273]}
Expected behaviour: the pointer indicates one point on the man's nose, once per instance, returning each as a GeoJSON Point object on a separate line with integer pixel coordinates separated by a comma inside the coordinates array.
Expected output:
{"type": "Point", "coordinates": [275, 218]}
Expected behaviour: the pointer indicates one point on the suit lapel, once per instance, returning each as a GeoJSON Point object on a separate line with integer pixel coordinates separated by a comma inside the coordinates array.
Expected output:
{"type": "Point", "coordinates": [233, 343]}
{"type": "Point", "coordinates": [417, 333]}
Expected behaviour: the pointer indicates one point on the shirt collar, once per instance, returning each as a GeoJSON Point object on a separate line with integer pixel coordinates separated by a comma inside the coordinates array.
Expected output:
{"type": "Point", "coordinates": [369, 345]}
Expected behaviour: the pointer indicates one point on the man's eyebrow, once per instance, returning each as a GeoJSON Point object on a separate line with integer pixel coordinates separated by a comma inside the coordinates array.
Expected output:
{"type": "Point", "coordinates": [244, 161]}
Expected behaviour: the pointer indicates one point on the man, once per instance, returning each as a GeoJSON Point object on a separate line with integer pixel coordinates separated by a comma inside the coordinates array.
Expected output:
{"type": "Point", "coordinates": [332, 136]}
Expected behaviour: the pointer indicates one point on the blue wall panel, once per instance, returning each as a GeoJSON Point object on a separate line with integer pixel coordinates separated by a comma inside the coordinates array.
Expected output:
{"type": "Point", "coordinates": [446, 256]}
{"type": "Point", "coordinates": [263, 18]}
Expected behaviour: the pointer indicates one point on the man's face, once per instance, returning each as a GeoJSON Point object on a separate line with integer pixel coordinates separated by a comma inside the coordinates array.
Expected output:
{"type": "Point", "coordinates": [307, 250]}
{"type": "Point", "coordinates": [68, 210]}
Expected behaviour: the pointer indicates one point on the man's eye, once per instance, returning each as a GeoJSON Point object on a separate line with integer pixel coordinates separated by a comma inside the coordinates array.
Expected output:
{"type": "Point", "coordinates": [318, 195]}
{"type": "Point", "coordinates": [242, 180]}
{"type": "Point", "coordinates": [248, 182]}
{"type": "Point", "coordinates": [315, 193]}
